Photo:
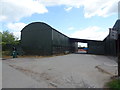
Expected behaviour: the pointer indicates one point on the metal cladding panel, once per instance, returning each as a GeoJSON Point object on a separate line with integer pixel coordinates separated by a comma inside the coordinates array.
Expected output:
{"type": "Point", "coordinates": [60, 42]}
{"type": "Point", "coordinates": [117, 25]}
{"type": "Point", "coordinates": [110, 46]}
{"type": "Point", "coordinates": [36, 38]}
{"type": "Point", "coordinates": [59, 39]}
{"type": "Point", "coordinates": [96, 47]}
{"type": "Point", "coordinates": [73, 46]}
{"type": "Point", "coordinates": [40, 38]}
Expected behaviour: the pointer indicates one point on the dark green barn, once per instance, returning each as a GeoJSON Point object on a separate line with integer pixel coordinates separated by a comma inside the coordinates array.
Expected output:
{"type": "Point", "coordinates": [39, 38]}
{"type": "Point", "coordinates": [108, 46]}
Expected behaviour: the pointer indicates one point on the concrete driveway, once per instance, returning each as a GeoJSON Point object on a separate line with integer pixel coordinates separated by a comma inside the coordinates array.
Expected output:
{"type": "Point", "coordinates": [68, 71]}
{"type": "Point", "coordinates": [0, 73]}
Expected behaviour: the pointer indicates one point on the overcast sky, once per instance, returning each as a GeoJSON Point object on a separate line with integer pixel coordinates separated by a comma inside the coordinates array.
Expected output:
{"type": "Point", "coordinates": [85, 19]}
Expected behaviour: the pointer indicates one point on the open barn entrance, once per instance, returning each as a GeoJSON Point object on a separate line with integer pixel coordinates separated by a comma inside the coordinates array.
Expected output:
{"type": "Point", "coordinates": [82, 45]}
{"type": "Point", "coordinates": [82, 48]}
{"type": "Point", "coordinates": [89, 44]}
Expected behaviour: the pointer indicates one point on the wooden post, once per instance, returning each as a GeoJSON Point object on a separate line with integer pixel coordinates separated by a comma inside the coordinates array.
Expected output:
{"type": "Point", "coordinates": [119, 65]}
{"type": "Point", "coordinates": [118, 55]}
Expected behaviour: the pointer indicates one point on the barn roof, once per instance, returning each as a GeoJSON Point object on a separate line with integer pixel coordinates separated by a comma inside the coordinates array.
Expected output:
{"type": "Point", "coordinates": [33, 23]}
{"type": "Point", "coordinates": [117, 24]}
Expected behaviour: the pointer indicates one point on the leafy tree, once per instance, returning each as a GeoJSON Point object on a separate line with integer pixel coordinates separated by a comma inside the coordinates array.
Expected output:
{"type": "Point", "coordinates": [8, 39]}
{"type": "Point", "coordinates": [0, 38]}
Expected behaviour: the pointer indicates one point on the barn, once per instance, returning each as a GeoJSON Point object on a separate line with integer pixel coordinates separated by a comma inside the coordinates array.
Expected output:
{"type": "Point", "coordinates": [109, 46]}
{"type": "Point", "coordinates": [39, 38]}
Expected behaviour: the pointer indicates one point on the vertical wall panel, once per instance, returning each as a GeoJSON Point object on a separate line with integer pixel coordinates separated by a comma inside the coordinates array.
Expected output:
{"type": "Point", "coordinates": [36, 38]}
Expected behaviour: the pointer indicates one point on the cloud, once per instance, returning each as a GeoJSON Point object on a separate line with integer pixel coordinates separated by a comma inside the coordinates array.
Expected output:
{"type": "Point", "coordinates": [71, 28]}
{"type": "Point", "coordinates": [102, 8]}
{"type": "Point", "coordinates": [68, 9]}
{"type": "Point", "coordinates": [73, 3]}
{"type": "Point", "coordinates": [17, 34]}
{"type": "Point", "coordinates": [1, 30]}
{"type": "Point", "coordinates": [93, 33]}
{"type": "Point", "coordinates": [14, 10]}
{"type": "Point", "coordinates": [119, 10]}
{"type": "Point", "coordinates": [15, 28]}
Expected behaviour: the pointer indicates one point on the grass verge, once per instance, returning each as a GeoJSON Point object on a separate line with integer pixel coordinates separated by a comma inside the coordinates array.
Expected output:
{"type": "Point", "coordinates": [114, 84]}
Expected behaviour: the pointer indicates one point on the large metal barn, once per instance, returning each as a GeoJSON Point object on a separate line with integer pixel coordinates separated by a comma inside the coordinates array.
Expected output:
{"type": "Point", "coordinates": [39, 38]}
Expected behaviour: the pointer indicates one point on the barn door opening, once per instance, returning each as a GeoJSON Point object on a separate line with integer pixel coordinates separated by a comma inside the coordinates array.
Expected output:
{"type": "Point", "coordinates": [82, 48]}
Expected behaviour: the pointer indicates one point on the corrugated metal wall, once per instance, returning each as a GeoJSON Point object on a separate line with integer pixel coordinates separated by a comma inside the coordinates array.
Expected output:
{"type": "Point", "coordinates": [41, 39]}
{"type": "Point", "coordinates": [110, 46]}
{"type": "Point", "coordinates": [36, 39]}
{"type": "Point", "coordinates": [117, 26]}
{"type": "Point", "coordinates": [60, 42]}
{"type": "Point", "coordinates": [73, 47]}
{"type": "Point", "coordinates": [106, 47]}
{"type": "Point", "coordinates": [96, 47]}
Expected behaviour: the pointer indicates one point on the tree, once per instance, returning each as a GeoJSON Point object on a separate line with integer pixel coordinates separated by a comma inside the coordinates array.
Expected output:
{"type": "Point", "coordinates": [8, 39]}
{"type": "Point", "coordinates": [0, 38]}
{"type": "Point", "coordinates": [0, 43]}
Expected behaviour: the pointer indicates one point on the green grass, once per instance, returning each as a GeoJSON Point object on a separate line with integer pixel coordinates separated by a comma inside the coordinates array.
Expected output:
{"type": "Point", "coordinates": [114, 84]}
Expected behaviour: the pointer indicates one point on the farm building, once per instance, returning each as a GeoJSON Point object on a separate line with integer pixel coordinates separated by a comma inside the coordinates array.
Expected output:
{"type": "Point", "coordinates": [41, 39]}
{"type": "Point", "coordinates": [109, 46]}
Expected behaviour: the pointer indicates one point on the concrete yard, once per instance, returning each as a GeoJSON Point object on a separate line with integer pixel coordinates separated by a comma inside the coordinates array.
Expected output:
{"type": "Point", "coordinates": [0, 73]}
{"type": "Point", "coordinates": [68, 71]}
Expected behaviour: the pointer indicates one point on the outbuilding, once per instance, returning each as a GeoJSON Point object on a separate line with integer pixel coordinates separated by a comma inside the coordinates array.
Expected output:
{"type": "Point", "coordinates": [41, 39]}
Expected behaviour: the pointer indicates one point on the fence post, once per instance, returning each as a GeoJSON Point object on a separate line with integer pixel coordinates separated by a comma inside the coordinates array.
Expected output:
{"type": "Point", "coordinates": [118, 55]}
{"type": "Point", "coordinates": [119, 65]}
